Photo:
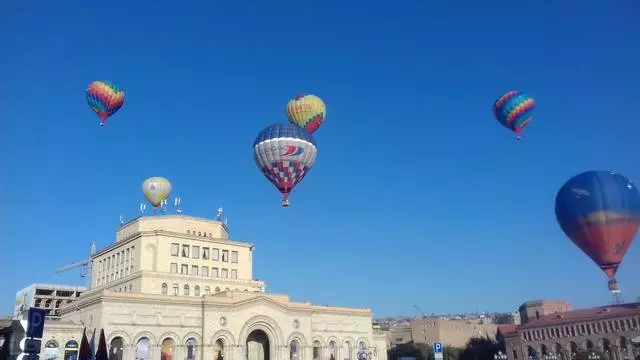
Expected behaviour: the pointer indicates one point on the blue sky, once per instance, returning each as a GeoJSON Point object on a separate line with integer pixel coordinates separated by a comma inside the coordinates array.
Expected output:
{"type": "Point", "coordinates": [418, 196]}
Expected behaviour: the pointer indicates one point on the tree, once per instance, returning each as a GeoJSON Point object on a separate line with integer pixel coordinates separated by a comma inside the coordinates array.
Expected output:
{"type": "Point", "coordinates": [480, 348]}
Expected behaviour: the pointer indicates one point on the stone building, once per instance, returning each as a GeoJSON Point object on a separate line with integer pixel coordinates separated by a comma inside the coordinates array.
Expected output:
{"type": "Point", "coordinates": [176, 287]}
{"type": "Point", "coordinates": [47, 297]}
{"type": "Point", "coordinates": [452, 333]}
{"type": "Point", "coordinates": [613, 331]}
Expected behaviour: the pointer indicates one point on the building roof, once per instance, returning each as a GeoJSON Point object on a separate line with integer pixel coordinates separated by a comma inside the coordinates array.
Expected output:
{"type": "Point", "coordinates": [507, 329]}
{"type": "Point", "coordinates": [590, 314]}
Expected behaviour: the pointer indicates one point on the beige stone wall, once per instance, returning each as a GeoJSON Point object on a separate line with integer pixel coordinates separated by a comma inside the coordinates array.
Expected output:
{"type": "Point", "coordinates": [454, 333]}
{"type": "Point", "coordinates": [227, 316]}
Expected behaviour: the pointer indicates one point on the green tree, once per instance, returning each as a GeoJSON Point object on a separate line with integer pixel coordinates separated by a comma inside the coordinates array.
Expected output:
{"type": "Point", "coordinates": [480, 348]}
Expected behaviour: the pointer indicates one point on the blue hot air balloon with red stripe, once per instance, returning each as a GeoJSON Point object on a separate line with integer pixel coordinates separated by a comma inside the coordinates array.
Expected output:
{"type": "Point", "coordinates": [514, 110]}
{"type": "Point", "coordinates": [600, 212]}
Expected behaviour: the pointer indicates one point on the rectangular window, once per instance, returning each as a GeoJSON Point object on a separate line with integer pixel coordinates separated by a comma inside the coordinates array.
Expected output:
{"type": "Point", "coordinates": [127, 257]}
{"type": "Point", "coordinates": [205, 253]}
{"type": "Point", "coordinates": [225, 273]}
{"type": "Point", "coordinates": [185, 251]}
{"type": "Point", "coordinates": [194, 270]}
{"type": "Point", "coordinates": [175, 249]}
{"type": "Point", "coordinates": [174, 268]}
{"type": "Point", "coordinates": [133, 249]}
{"type": "Point", "coordinates": [195, 252]}
{"type": "Point", "coordinates": [175, 289]}
{"type": "Point", "coordinates": [184, 269]}
{"type": "Point", "coordinates": [234, 274]}
{"type": "Point", "coordinates": [204, 271]}
{"type": "Point", "coordinates": [118, 258]}
{"type": "Point", "coordinates": [126, 271]}
{"type": "Point", "coordinates": [234, 257]}
{"type": "Point", "coordinates": [215, 254]}
{"type": "Point", "coordinates": [225, 255]}
{"type": "Point", "coordinates": [214, 272]}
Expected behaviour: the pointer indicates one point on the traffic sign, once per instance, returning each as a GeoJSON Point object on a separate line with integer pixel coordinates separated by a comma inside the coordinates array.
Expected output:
{"type": "Point", "coordinates": [35, 324]}
{"type": "Point", "coordinates": [438, 351]}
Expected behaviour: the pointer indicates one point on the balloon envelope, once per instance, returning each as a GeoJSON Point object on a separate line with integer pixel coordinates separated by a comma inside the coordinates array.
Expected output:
{"type": "Point", "coordinates": [285, 153]}
{"type": "Point", "coordinates": [104, 98]}
{"type": "Point", "coordinates": [306, 111]}
{"type": "Point", "coordinates": [156, 189]}
{"type": "Point", "coordinates": [513, 110]}
{"type": "Point", "coordinates": [600, 212]}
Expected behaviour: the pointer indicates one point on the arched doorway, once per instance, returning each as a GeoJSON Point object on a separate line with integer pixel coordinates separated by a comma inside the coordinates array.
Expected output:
{"type": "Point", "coordinates": [166, 352]}
{"type": "Point", "coordinates": [71, 350]}
{"type": "Point", "coordinates": [218, 350]}
{"type": "Point", "coordinates": [51, 350]}
{"type": "Point", "coordinates": [115, 348]}
{"type": "Point", "coordinates": [142, 349]}
{"type": "Point", "coordinates": [258, 346]}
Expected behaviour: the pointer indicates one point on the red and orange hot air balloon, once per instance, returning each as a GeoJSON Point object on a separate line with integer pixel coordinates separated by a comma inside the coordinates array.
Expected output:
{"type": "Point", "coordinates": [600, 212]}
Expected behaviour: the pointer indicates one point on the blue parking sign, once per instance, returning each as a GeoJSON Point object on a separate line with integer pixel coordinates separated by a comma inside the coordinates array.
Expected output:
{"type": "Point", "coordinates": [437, 348]}
{"type": "Point", "coordinates": [35, 325]}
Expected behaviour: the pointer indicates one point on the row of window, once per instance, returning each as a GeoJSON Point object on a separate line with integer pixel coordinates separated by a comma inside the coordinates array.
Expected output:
{"type": "Point", "coordinates": [203, 271]}
{"type": "Point", "coordinates": [107, 278]}
{"type": "Point", "coordinates": [124, 288]}
{"type": "Point", "coordinates": [116, 259]}
{"type": "Point", "coordinates": [186, 290]}
{"type": "Point", "coordinates": [207, 253]}
{"type": "Point", "coordinates": [582, 329]}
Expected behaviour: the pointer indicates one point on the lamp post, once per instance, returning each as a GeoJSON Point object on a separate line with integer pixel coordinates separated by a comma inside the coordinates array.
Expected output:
{"type": "Point", "coordinates": [593, 356]}
{"type": "Point", "coordinates": [500, 356]}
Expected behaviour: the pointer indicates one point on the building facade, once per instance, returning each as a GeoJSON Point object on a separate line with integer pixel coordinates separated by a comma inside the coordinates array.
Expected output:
{"type": "Point", "coordinates": [452, 333]}
{"type": "Point", "coordinates": [47, 297]}
{"type": "Point", "coordinates": [176, 287]}
{"type": "Point", "coordinates": [613, 331]}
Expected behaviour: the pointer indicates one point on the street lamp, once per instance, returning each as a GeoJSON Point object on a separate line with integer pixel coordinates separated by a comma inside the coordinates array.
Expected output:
{"type": "Point", "coordinates": [593, 356]}
{"type": "Point", "coordinates": [500, 356]}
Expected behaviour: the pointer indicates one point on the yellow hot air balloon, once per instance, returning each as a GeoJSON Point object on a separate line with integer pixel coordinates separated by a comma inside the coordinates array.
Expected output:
{"type": "Point", "coordinates": [156, 189]}
{"type": "Point", "coordinates": [306, 111]}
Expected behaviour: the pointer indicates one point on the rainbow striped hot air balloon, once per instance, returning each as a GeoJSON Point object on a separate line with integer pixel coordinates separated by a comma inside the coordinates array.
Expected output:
{"type": "Point", "coordinates": [306, 111]}
{"type": "Point", "coordinates": [513, 110]}
{"type": "Point", "coordinates": [285, 153]}
{"type": "Point", "coordinates": [105, 99]}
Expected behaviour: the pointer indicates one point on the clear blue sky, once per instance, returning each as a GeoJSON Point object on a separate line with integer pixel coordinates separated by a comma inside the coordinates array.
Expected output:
{"type": "Point", "coordinates": [418, 196]}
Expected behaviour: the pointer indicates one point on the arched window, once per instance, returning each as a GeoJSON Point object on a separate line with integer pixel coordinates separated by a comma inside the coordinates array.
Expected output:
{"type": "Point", "coordinates": [166, 351]}
{"type": "Point", "coordinates": [116, 348]}
{"type": "Point", "coordinates": [164, 289]}
{"type": "Point", "coordinates": [207, 290]}
{"type": "Point", "coordinates": [71, 350]}
{"type": "Point", "coordinates": [217, 289]}
{"type": "Point", "coordinates": [175, 290]}
{"type": "Point", "coordinates": [346, 350]}
{"type": "Point", "coordinates": [332, 350]}
{"type": "Point", "coordinates": [362, 351]}
{"type": "Point", "coordinates": [316, 350]}
{"type": "Point", "coordinates": [142, 349]}
{"type": "Point", "coordinates": [226, 289]}
{"type": "Point", "coordinates": [196, 290]}
{"type": "Point", "coordinates": [51, 350]}
{"type": "Point", "coordinates": [186, 290]}
{"type": "Point", "coordinates": [218, 350]}
{"type": "Point", "coordinates": [191, 349]}
{"type": "Point", "coordinates": [294, 350]}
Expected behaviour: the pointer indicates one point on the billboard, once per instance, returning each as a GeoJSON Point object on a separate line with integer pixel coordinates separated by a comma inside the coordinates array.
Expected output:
{"type": "Point", "coordinates": [24, 300]}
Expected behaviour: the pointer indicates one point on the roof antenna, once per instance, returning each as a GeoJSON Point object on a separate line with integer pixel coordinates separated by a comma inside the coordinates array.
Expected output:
{"type": "Point", "coordinates": [219, 214]}
{"type": "Point", "coordinates": [121, 220]}
{"type": "Point", "coordinates": [163, 206]}
{"type": "Point", "coordinates": [176, 204]}
{"type": "Point", "coordinates": [143, 207]}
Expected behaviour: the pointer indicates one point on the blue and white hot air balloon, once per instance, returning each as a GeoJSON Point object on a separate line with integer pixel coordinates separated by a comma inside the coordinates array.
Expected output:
{"type": "Point", "coordinates": [285, 153]}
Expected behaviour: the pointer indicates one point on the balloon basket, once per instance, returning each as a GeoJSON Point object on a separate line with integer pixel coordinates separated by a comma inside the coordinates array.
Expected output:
{"type": "Point", "coordinates": [285, 203]}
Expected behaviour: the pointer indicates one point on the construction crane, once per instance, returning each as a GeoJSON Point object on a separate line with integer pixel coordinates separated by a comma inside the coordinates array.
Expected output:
{"type": "Point", "coordinates": [423, 314]}
{"type": "Point", "coordinates": [84, 265]}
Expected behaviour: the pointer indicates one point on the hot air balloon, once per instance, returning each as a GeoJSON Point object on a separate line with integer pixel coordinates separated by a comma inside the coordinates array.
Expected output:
{"type": "Point", "coordinates": [105, 99]}
{"type": "Point", "coordinates": [285, 153]}
{"type": "Point", "coordinates": [600, 212]}
{"type": "Point", "coordinates": [513, 110]}
{"type": "Point", "coordinates": [306, 111]}
{"type": "Point", "coordinates": [156, 189]}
